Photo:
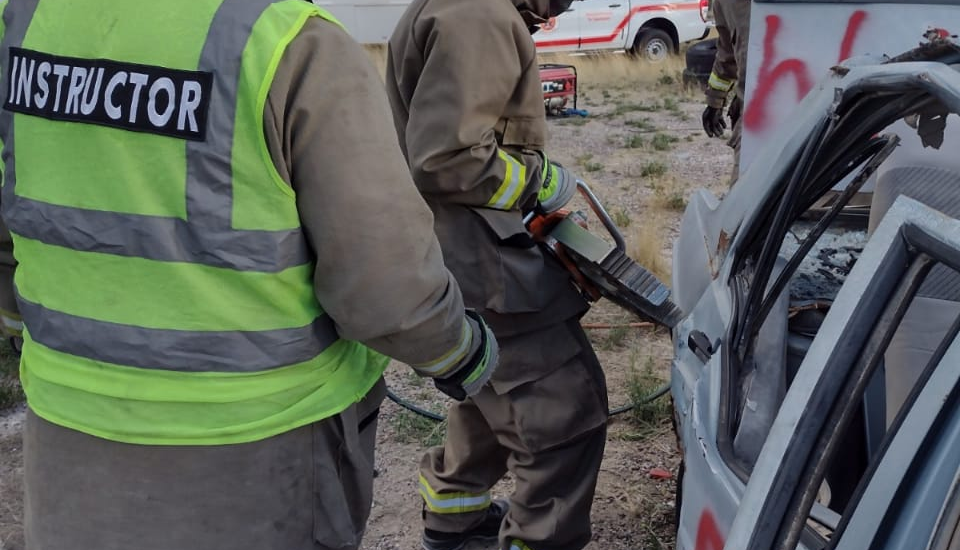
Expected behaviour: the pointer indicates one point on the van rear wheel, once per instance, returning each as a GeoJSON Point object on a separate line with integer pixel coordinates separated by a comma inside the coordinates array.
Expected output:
{"type": "Point", "coordinates": [654, 45]}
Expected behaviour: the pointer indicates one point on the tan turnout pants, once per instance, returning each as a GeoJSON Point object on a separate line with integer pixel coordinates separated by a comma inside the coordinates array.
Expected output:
{"type": "Point", "coordinates": [307, 489]}
{"type": "Point", "coordinates": [549, 433]}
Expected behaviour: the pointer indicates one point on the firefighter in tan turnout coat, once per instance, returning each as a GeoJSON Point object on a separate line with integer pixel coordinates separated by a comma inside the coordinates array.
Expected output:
{"type": "Point", "coordinates": [729, 73]}
{"type": "Point", "coordinates": [463, 82]}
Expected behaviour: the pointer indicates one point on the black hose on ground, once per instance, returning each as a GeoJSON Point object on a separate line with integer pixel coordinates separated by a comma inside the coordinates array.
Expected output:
{"type": "Point", "coordinates": [657, 394]}
{"type": "Point", "coordinates": [414, 408]}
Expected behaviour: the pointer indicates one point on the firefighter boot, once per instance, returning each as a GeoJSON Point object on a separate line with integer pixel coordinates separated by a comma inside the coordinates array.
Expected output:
{"type": "Point", "coordinates": [486, 531]}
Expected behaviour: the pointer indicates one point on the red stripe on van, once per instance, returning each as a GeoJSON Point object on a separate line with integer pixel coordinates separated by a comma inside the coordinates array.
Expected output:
{"type": "Point", "coordinates": [620, 27]}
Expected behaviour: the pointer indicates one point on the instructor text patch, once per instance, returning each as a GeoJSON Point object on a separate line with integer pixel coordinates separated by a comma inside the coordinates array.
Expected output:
{"type": "Point", "coordinates": [135, 97]}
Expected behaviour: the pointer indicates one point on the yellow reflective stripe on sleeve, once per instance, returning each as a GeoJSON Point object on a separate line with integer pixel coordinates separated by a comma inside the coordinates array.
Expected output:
{"type": "Point", "coordinates": [440, 366]}
{"type": "Point", "coordinates": [517, 544]}
{"type": "Point", "coordinates": [718, 83]}
{"type": "Point", "coordinates": [12, 323]}
{"type": "Point", "coordinates": [452, 503]}
{"type": "Point", "coordinates": [514, 180]}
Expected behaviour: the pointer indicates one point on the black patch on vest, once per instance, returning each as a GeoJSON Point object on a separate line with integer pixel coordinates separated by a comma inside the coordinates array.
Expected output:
{"type": "Point", "coordinates": [130, 96]}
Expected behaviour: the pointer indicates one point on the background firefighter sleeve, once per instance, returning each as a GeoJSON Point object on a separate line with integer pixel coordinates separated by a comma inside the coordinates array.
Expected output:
{"type": "Point", "coordinates": [379, 273]}
{"type": "Point", "coordinates": [10, 323]}
{"type": "Point", "coordinates": [724, 73]}
{"type": "Point", "coordinates": [469, 75]}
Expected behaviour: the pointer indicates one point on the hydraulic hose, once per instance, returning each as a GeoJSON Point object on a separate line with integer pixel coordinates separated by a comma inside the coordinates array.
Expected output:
{"type": "Point", "coordinates": [414, 408]}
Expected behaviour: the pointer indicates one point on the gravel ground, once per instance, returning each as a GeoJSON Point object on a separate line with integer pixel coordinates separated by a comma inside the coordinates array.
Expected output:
{"type": "Point", "coordinates": [642, 151]}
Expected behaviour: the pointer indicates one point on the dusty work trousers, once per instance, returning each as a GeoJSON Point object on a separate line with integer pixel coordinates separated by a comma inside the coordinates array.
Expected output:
{"type": "Point", "coordinates": [549, 433]}
{"type": "Point", "coordinates": [310, 489]}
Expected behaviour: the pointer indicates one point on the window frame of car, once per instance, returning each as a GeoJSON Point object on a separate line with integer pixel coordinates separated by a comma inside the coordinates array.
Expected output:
{"type": "Point", "coordinates": [780, 501]}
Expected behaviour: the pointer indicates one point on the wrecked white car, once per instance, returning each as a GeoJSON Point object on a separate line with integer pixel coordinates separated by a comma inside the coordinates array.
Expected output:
{"type": "Point", "coordinates": [816, 378]}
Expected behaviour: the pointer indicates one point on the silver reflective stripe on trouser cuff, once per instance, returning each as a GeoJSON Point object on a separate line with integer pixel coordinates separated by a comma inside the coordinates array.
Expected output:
{"type": "Point", "coordinates": [451, 503]}
{"type": "Point", "coordinates": [177, 350]}
{"type": "Point", "coordinates": [455, 505]}
{"type": "Point", "coordinates": [206, 237]}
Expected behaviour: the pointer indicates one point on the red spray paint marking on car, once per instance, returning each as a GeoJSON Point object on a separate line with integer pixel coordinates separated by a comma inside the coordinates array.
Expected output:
{"type": "Point", "coordinates": [755, 117]}
{"type": "Point", "coordinates": [708, 535]}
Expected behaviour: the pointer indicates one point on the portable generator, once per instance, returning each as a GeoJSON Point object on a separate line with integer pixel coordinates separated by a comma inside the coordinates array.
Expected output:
{"type": "Point", "coordinates": [559, 88]}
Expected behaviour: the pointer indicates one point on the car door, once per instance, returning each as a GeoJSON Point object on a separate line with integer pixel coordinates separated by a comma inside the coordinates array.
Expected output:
{"type": "Point", "coordinates": [907, 498]}
{"type": "Point", "coordinates": [604, 24]}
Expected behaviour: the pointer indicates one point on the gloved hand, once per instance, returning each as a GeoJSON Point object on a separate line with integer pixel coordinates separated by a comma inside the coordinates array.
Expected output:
{"type": "Point", "coordinates": [476, 370]}
{"type": "Point", "coordinates": [735, 110]}
{"type": "Point", "coordinates": [930, 124]}
{"type": "Point", "coordinates": [713, 123]}
{"type": "Point", "coordinates": [931, 127]}
{"type": "Point", "coordinates": [559, 185]}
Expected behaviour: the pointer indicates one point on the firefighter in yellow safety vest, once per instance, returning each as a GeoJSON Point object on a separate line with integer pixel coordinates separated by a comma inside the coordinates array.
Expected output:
{"type": "Point", "coordinates": [218, 246]}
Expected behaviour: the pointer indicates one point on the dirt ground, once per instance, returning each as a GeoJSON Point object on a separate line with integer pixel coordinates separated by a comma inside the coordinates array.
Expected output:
{"type": "Point", "coordinates": [642, 150]}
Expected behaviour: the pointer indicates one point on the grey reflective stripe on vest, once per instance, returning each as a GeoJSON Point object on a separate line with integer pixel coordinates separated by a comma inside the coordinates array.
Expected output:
{"type": "Point", "coordinates": [204, 238]}
{"type": "Point", "coordinates": [152, 237]}
{"type": "Point", "coordinates": [209, 197]}
{"type": "Point", "coordinates": [177, 350]}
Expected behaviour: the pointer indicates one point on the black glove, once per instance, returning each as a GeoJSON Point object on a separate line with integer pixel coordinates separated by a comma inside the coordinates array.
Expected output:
{"type": "Point", "coordinates": [735, 110]}
{"type": "Point", "coordinates": [930, 128]}
{"type": "Point", "coordinates": [474, 373]}
{"type": "Point", "coordinates": [713, 123]}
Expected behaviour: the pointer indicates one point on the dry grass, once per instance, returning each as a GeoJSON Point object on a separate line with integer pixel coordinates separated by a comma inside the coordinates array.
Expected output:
{"type": "Point", "coordinates": [11, 394]}
{"type": "Point", "coordinates": [615, 71]}
{"type": "Point", "coordinates": [654, 170]}
{"type": "Point", "coordinates": [663, 142]}
{"type": "Point", "coordinates": [645, 244]}
{"type": "Point", "coordinates": [641, 125]}
{"type": "Point", "coordinates": [669, 194]}
{"type": "Point", "coordinates": [649, 415]}
{"type": "Point", "coordinates": [409, 427]}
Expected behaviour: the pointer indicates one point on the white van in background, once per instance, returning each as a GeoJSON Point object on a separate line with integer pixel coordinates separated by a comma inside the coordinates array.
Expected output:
{"type": "Point", "coordinates": [368, 21]}
{"type": "Point", "coordinates": [649, 28]}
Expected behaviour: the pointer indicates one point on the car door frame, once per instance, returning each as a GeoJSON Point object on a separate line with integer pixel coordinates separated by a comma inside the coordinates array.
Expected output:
{"type": "Point", "coordinates": [776, 503]}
